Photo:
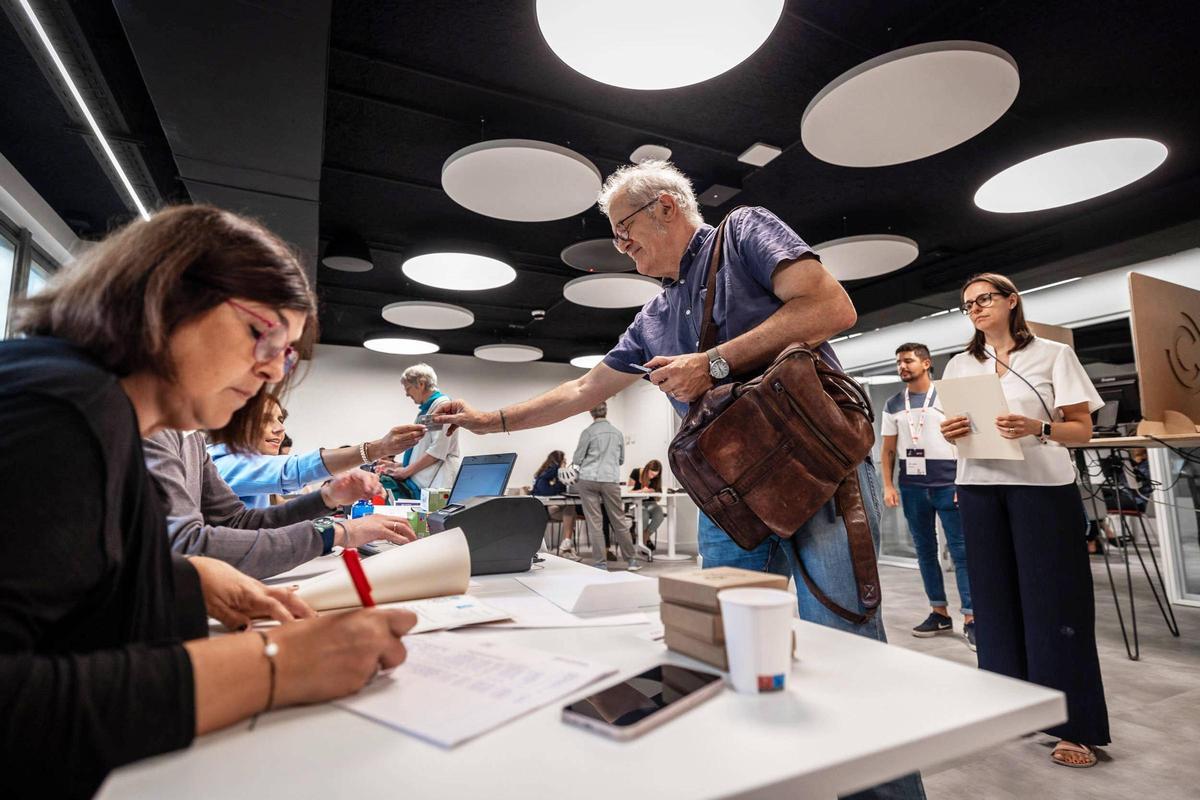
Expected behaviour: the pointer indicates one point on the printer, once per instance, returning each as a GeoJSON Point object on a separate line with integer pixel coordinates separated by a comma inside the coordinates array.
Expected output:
{"type": "Point", "coordinates": [503, 533]}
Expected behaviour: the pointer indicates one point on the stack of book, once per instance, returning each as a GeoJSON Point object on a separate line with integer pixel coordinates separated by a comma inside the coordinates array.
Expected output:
{"type": "Point", "coordinates": [691, 614]}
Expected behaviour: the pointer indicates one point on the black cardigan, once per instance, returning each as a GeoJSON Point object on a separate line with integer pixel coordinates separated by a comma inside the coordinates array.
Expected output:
{"type": "Point", "coordinates": [93, 607]}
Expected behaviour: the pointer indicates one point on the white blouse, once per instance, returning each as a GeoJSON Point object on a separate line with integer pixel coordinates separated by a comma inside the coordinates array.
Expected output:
{"type": "Point", "coordinates": [1061, 381]}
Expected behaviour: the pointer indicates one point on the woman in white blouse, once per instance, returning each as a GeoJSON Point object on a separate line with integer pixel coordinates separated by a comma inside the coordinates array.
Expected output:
{"type": "Point", "coordinates": [1023, 521]}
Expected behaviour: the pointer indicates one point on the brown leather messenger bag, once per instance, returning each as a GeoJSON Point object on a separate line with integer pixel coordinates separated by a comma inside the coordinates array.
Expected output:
{"type": "Point", "coordinates": [764, 455]}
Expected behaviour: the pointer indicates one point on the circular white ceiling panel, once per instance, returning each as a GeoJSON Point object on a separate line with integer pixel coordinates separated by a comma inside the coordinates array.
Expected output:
{"type": "Point", "coordinates": [655, 44]}
{"type": "Point", "coordinates": [910, 103]}
{"type": "Point", "coordinates": [459, 271]}
{"type": "Point", "coordinates": [586, 362]}
{"type": "Point", "coordinates": [399, 346]}
{"type": "Point", "coordinates": [596, 255]}
{"type": "Point", "coordinates": [1070, 175]}
{"type": "Point", "coordinates": [857, 257]}
{"type": "Point", "coordinates": [611, 291]}
{"type": "Point", "coordinates": [521, 180]}
{"type": "Point", "coordinates": [428, 315]}
{"type": "Point", "coordinates": [508, 353]}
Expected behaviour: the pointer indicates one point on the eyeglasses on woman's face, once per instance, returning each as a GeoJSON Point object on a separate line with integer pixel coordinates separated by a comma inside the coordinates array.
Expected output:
{"type": "Point", "coordinates": [984, 300]}
{"type": "Point", "coordinates": [269, 343]}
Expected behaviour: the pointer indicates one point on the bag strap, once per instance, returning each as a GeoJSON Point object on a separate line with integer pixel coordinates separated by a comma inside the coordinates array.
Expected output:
{"type": "Point", "coordinates": [862, 555]}
{"type": "Point", "coordinates": [708, 331]}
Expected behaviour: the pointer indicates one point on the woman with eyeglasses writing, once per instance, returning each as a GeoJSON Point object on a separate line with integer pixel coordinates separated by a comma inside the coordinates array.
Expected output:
{"type": "Point", "coordinates": [1023, 520]}
{"type": "Point", "coordinates": [174, 322]}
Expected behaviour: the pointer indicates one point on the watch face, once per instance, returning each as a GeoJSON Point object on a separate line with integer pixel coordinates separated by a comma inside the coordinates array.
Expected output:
{"type": "Point", "coordinates": [719, 368]}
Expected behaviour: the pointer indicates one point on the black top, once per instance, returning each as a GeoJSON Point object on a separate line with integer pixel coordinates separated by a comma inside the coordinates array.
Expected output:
{"type": "Point", "coordinates": [547, 484]}
{"type": "Point", "coordinates": [92, 605]}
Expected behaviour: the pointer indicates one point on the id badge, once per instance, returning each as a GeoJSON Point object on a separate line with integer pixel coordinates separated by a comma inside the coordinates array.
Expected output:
{"type": "Point", "coordinates": [914, 461]}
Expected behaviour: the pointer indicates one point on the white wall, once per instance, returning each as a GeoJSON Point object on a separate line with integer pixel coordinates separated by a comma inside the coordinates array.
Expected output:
{"type": "Point", "coordinates": [349, 394]}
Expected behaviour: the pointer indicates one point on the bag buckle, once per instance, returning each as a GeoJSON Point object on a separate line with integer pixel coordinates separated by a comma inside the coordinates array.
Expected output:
{"type": "Point", "coordinates": [728, 496]}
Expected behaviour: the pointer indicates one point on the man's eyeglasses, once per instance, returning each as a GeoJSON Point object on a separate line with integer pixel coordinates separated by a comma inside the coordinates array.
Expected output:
{"type": "Point", "coordinates": [622, 230]}
{"type": "Point", "coordinates": [984, 300]}
{"type": "Point", "coordinates": [270, 343]}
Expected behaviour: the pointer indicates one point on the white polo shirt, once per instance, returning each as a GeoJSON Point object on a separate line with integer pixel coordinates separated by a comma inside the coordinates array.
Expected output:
{"type": "Point", "coordinates": [1055, 371]}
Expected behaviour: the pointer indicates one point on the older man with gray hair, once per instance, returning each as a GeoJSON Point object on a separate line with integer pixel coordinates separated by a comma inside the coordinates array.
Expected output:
{"type": "Point", "coordinates": [432, 463]}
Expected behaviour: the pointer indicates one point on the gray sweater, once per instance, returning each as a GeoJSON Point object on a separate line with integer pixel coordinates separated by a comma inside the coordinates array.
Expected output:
{"type": "Point", "coordinates": [205, 517]}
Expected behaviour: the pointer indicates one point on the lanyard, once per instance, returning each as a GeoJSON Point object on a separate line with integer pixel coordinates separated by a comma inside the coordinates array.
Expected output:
{"type": "Point", "coordinates": [916, 430]}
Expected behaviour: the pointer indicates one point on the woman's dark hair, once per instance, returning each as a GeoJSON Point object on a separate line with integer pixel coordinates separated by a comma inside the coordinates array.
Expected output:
{"type": "Point", "coordinates": [121, 301]}
{"type": "Point", "coordinates": [555, 459]}
{"type": "Point", "coordinates": [1017, 327]}
{"type": "Point", "coordinates": [244, 421]}
{"type": "Point", "coordinates": [655, 482]}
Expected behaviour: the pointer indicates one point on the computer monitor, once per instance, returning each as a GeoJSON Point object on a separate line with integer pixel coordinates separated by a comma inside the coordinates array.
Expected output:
{"type": "Point", "coordinates": [1121, 391]}
{"type": "Point", "coordinates": [482, 476]}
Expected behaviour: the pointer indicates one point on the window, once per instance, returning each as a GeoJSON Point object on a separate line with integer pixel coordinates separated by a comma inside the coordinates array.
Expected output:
{"type": "Point", "coordinates": [39, 276]}
{"type": "Point", "coordinates": [8, 259]}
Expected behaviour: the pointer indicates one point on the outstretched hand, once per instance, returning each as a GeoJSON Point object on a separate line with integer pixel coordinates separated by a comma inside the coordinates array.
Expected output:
{"type": "Point", "coordinates": [457, 414]}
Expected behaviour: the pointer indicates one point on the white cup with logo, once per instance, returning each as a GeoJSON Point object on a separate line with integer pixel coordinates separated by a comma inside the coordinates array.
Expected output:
{"type": "Point", "coordinates": [758, 637]}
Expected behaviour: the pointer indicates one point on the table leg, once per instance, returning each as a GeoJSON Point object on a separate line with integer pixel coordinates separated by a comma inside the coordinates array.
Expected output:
{"type": "Point", "coordinates": [671, 555]}
{"type": "Point", "coordinates": [639, 530]}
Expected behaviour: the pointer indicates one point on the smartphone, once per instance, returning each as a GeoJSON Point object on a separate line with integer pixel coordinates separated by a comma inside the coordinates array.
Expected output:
{"type": "Point", "coordinates": [628, 709]}
{"type": "Point", "coordinates": [425, 419]}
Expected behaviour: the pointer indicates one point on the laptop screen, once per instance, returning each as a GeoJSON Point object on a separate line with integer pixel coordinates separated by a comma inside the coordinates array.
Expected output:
{"type": "Point", "coordinates": [482, 476]}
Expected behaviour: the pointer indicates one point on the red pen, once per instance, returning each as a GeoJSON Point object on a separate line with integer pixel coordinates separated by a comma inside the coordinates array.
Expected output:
{"type": "Point", "coordinates": [358, 577]}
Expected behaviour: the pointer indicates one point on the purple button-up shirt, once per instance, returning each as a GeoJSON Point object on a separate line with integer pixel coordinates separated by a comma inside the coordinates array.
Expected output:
{"type": "Point", "coordinates": [756, 242]}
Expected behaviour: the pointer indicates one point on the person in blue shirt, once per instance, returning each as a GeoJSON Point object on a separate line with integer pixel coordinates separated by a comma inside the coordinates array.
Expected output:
{"type": "Point", "coordinates": [254, 477]}
{"type": "Point", "coordinates": [770, 292]}
{"type": "Point", "coordinates": [546, 483]}
{"type": "Point", "coordinates": [911, 425]}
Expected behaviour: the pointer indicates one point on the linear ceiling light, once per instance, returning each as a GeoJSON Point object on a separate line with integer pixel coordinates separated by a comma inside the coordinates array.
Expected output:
{"type": "Point", "coordinates": [83, 108]}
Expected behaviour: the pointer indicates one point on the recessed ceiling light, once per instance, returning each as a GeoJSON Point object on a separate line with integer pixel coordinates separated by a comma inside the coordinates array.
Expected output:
{"type": "Point", "coordinates": [83, 109]}
{"type": "Point", "coordinates": [586, 362]}
{"type": "Point", "coordinates": [466, 272]}
{"type": "Point", "coordinates": [857, 257]}
{"type": "Point", "coordinates": [759, 154]}
{"type": "Point", "coordinates": [428, 315]}
{"type": "Point", "coordinates": [650, 152]}
{"type": "Point", "coordinates": [660, 44]}
{"type": "Point", "coordinates": [1070, 175]}
{"type": "Point", "coordinates": [508, 353]}
{"type": "Point", "coordinates": [399, 346]}
{"type": "Point", "coordinates": [521, 180]}
{"type": "Point", "coordinates": [910, 103]}
{"type": "Point", "coordinates": [349, 253]}
{"type": "Point", "coordinates": [611, 290]}
{"type": "Point", "coordinates": [596, 255]}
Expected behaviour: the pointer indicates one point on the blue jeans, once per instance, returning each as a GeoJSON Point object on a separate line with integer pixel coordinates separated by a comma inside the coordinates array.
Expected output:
{"type": "Point", "coordinates": [920, 504]}
{"type": "Point", "coordinates": [821, 544]}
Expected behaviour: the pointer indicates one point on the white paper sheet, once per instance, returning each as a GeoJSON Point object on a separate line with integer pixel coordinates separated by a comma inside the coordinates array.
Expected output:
{"type": "Point", "coordinates": [980, 398]}
{"type": "Point", "coordinates": [533, 611]}
{"type": "Point", "coordinates": [601, 591]}
{"type": "Point", "coordinates": [444, 613]}
{"type": "Point", "coordinates": [454, 688]}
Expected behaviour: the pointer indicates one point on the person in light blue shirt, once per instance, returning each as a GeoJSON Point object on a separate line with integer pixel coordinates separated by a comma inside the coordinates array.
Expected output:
{"type": "Point", "coordinates": [254, 476]}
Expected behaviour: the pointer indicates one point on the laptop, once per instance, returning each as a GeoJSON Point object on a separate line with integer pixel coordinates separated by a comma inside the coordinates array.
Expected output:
{"type": "Point", "coordinates": [482, 476]}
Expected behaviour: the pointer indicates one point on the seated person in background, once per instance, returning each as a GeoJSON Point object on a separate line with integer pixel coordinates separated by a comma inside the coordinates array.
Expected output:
{"type": "Point", "coordinates": [205, 517]}
{"type": "Point", "coordinates": [546, 483]}
{"type": "Point", "coordinates": [634, 475]}
{"type": "Point", "coordinates": [431, 463]}
{"type": "Point", "coordinates": [650, 480]}
{"type": "Point", "coordinates": [254, 477]}
{"type": "Point", "coordinates": [172, 322]}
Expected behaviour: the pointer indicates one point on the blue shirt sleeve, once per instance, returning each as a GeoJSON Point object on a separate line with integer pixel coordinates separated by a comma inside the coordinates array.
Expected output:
{"type": "Point", "coordinates": [256, 474]}
{"type": "Point", "coordinates": [630, 348]}
{"type": "Point", "coordinates": [763, 241]}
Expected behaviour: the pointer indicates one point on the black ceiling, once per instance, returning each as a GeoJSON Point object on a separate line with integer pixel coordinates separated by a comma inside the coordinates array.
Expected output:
{"type": "Point", "coordinates": [410, 83]}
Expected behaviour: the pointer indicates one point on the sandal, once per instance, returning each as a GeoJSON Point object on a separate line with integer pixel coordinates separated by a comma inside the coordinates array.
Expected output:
{"type": "Point", "coordinates": [1069, 754]}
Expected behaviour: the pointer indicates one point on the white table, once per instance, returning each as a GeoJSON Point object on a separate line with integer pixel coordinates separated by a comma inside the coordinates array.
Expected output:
{"type": "Point", "coordinates": [637, 499]}
{"type": "Point", "coordinates": [856, 713]}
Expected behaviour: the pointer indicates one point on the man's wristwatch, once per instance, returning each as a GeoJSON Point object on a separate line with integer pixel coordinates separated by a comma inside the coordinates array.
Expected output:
{"type": "Point", "coordinates": [718, 367]}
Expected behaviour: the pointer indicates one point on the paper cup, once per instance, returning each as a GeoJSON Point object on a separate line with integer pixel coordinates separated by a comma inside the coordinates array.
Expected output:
{"type": "Point", "coordinates": [758, 637]}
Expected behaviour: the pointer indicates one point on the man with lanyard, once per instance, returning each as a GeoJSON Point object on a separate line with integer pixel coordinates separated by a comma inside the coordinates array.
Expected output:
{"type": "Point", "coordinates": [432, 463]}
{"type": "Point", "coordinates": [927, 471]}
{"type": "Point", "coordinates": [770, 292]}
